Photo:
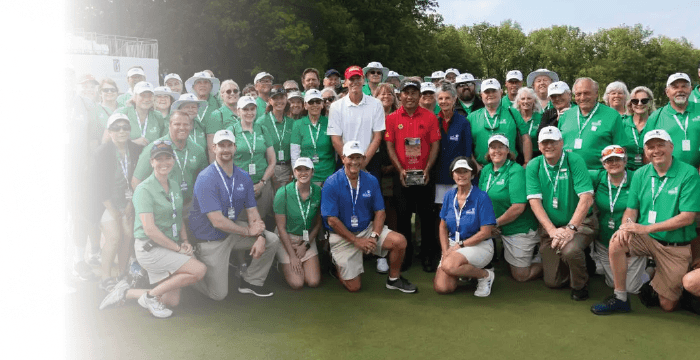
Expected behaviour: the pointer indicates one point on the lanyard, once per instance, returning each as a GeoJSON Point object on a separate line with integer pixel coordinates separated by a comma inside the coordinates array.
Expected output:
{"type": "Point", "coordinates": [458, 214]}
{"type": "Point", "coordinates": [493, 126]}
{"type": "Point", "coordinates": [590, 116]}
{"type": "Point", "coordinates": [318, 132]}
{"type": "Point", "coordinates": [556, 180]}
{"type": "Point", "coordinates": [619, 190]}
{"type": "Point", "coordinates": [532, 122]}
{"type": "Point", "coordinates": [488, 182]}
{"type": "Point", "coordinates": [182, 166]}
{"type": "Point", "coordinates": [233, 181]}
{"type": "Point", "coordinates": [125, 166]}
{"type": "Point", "coordinates": [357, 194]}
{"type": "Point", "coordinates": [305, 215]}
{"type": "Point", "coordinates": [634, 136]}
{"type": "Point", "coordinates": [685, 130]}
{"type": "Point", "coordinates": [274, 126]}
{"type": "Point", "coordinates": [250, 149]}
{"type": "Point", "coordinates": [144, 126]}
{"type": "Point", "coordinates": [200, 118]}
{"type": "Point", "coordinates": [653, 185]}
{"type": "Point", "coordinates": [172, 201]}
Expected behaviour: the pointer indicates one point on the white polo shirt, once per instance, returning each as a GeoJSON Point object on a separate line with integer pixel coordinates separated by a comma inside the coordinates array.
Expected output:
{"type": "Point", "coordinates": [356, 122]}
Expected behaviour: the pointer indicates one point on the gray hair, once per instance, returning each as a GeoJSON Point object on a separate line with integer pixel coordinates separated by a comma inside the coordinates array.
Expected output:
{"type": "Point", "coordinates": [449, 88]}
{"type": "Point", "coordinates": [650, 108]}
{"type": "Point", "coordinates": [288, 82]}
{"type": "Point", "coordinates": [527, 92]}
{"type": "Point", "coordinates": [226, 84]}
{"type": "Point", "coordinates": [616, 86]}
{"type": "Point", "coordinates": [330, 90]}
{"type": "Point", "coordinates": [595, 83]}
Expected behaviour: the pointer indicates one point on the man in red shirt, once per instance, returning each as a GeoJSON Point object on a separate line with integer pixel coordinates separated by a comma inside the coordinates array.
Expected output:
{"type": "Point", "coordinates": [413, 141]}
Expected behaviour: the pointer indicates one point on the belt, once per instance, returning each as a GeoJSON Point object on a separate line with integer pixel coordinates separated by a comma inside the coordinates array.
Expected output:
{"type": "Point", "coordinates": [284, 162]}
{"type": "Point", "coordinates": [664, 243]}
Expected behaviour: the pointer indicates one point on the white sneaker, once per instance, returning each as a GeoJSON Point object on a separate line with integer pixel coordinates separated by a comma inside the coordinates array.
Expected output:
{"type": "Point", "coordinates": [382, 266]}
{"type": "Point", "coordinates": [483, 287]}
{"type": "Point", "coordinates": [154, 305]}
{"type": "Point", "coordinates": [117, 295]}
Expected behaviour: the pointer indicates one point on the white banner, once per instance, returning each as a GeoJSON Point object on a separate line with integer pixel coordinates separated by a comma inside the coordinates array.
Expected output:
{"type": "Point", "coordinates": [113, 67]}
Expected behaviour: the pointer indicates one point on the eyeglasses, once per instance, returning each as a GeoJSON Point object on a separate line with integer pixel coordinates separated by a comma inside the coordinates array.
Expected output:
{"type": "Point", "coordinates": [291, 89]}
{"type": "Point", "coordinates": [461, 85]}
{"type": "Point", "coordinates": [109, 90]}
{"type": "Point", "coordinates": [229, 91]}
{"type": "Point", "coordinates": [162, 142]}
{"type": "Point", "coordinates": [265, 81]}
{"type": "Point", "coordinates": [117, 128]}
{"type": "Point", "coordinates": [328, 99]}
{"type": "Point", "coordinates": [637, 101]}
{"type": "Point", "coordinates": [612, 160]}
{"type": "Point", "coordinates": [616, 150]}
{"type": "Point", "coordinates": [314, 102]}
{"type": "Point", "coordinates": [375, 72]}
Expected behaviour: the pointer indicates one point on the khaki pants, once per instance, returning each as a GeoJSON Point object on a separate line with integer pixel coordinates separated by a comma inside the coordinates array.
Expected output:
{"type": "Point", "coordinates": [215, 255]}
{"type": "Point", "coordinates": [570, 264]}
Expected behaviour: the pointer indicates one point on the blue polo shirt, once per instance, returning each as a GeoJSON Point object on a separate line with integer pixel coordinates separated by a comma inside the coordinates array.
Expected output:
{"type": "Point", "coordinates": [336, 201]}
{"type": "Point", "coordinates": [455, 141]}
{"type": "Point", "coordinates": [477, 212]}
{"type": "Point", "coordinates": [210, 195]}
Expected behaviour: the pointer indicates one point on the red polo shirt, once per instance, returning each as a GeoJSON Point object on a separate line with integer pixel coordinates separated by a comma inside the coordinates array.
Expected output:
{"type": "Point", "coordinates": [423, 125]}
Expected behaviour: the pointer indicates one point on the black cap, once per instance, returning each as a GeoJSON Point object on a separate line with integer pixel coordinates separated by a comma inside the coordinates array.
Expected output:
{"type": "Point", "coordinates": [408, 83]}
{"type": "Point", "coordinates": [277, 90]}
{"type": "Point", "coordinates": [161, 147]}
{"type": "Point", "coordinates": [330, 72]}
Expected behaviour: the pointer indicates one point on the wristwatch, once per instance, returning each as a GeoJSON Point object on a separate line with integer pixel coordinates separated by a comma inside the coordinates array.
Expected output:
{"type": "Point", "coordinates": [263, 181]}
{"type": "Point", "coordinates": [460, 243]}
{"type": "Point", "coordinates": [374, 236]}
{"type": "Point", "coordinates": [572, 227]}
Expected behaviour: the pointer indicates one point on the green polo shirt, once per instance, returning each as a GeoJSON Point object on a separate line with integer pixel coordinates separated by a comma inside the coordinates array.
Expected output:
{"type": "Point", "coordinates": [599, 129]}
{"type": "Point", "coordinates": [437, 109]}
{"type": "Point", "coordinates": [123, 98]}
{"type": "Point", "coordinates": [313, 140]}
{"type": "Point", "coordinates": [192, 157]}
{"type": "Point", "coordinates": [695, 95]}
{"type": "Point", "coordinates": [505, 102]}
{"type": "Point", "coordinates": [287, 203]}
{"type": "Point", "coordinates": [506, 121]}
{"type": "Point", "coordinates": [531, 127]}
{"type": "Point", "coordinates": [279, 132]}
{"type": "Point", "coordinates": [154, 123]}
{"type": "Point", "coordinates": [679, 193]}
{"type": "Point", "coordinates": [573, 181]}
{"type": "Point", "coordinates": [366, 90]}
{"type": "Point", "coordinates": [262, 104]}
{"type": "Point", "coordinates": [150, 197]}
{"type": "Point", "coordinates": [602, 201]}
{"type": "Point", "coordinates": [224, 116]}
{"type": "Point", "coordinates": [664, 119]}
{"type": "Point", "coordinates": [205, 124]}
{"type": "Point", "coordinates": [245, 141]}
{"type": "Point", "coordinates": [102, 114]}
{"type": "Point", "coordinates": [633, 141]}
{"type": "Point", "coordinates": [506, 187]}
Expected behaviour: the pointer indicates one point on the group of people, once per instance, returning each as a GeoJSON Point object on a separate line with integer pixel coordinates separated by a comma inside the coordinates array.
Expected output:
{"type": "Point", "coordinates": [183, 184]}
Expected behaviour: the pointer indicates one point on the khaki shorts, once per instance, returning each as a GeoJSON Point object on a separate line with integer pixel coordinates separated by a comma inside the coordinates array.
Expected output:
{"type": "Point", "coordinates": [478, 255]}
{"type": "Point", "coordinates": [348, 257]}
{"type": "Point", "coordinates": [518, 249]}
{"type": "Point", "coordinates": [160, 262]}
{"type": "Point", "coordinates": [283, 257]}
{"type": "Point", "coordinates": [672, 263]}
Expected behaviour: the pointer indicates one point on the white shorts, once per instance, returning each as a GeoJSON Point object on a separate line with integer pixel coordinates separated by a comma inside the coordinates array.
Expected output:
{"type": "Point", "coordinates": [519, 248]}
{"type": "Point", "coordinates": [478, 255]}
{"type": "Point", "coordinates": [348, 257]}
{"type": "Point", "coordinates": [636, 266]}
{"type": "Point", "coordinates": [160, 262]}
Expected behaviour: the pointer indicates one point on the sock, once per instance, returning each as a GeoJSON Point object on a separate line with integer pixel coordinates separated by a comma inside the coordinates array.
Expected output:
{"type": "Point", "coordinates": [621, 295]}
{"type": "Point", "coordinates": [79, 254]}
{"type": "Point", "coordinates": [392, 279]}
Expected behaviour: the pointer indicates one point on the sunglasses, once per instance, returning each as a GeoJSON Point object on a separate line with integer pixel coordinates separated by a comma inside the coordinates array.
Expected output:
{"type": "Point", "coordinates": [109, 90]}
{"type": "Point", "coordinates": [315, 102]}
{"type": "Point", "coordinates": [230, 91]}
{"type": "Point", "coordinates": [461, 85]}
{"type": "Point", "coordinates": [328, 99]}
{"type": "Point", "coordinates": [637, 101]}
{"type": "Point", "coordinates": [616, 150]}
{"type": "Point", "coordinates": [375, 72]}
{"type": "Point", "coordinates": [291, 89]}
{"type": "Point", "coordinates": [117, 128]}
{"type": "Point", "coordinates": [162, 142]}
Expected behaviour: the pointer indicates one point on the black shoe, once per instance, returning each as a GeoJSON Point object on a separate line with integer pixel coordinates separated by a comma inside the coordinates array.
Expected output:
{"type": "Point", "coordinates": [260, 291]}
{"type": "Point", "coordinates": [428, 266]}
{"type": "Point", "coordinates": [580, 294]}
{"type": "Point", "coordinates": [648, 296]}
{"type": "Point", "coordinates": [402, 285]}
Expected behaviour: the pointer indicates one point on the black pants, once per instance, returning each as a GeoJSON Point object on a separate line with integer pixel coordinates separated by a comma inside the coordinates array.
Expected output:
{"type": "Point", "coordinates": [417, 199]}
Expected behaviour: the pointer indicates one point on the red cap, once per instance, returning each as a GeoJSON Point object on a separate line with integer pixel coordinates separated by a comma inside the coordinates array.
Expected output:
{"type": "Point", "coordinates": [353, 70]}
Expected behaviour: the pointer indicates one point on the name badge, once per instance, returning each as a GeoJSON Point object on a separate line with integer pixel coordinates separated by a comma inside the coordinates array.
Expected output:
{"type": "Point", "coordinates": [128, 193]}
{"type": "Point", "coordinates": [457, 236]}
{"type": "Point", "coordinates": [686, 145]}
{"type": "Point", "coordinates": [314, 159]}
{"type": "Point", "coordinates": [354, 221]}
{"type": "Point", "coordinates": [305, 235]}
{"type": "Point", "coordinates": [280, 155]}
{"type": "Point", "coordinates": [174, 230]}
{"type": "Point", "coordinates": [652, 217]}
{"type": "Point", "coordinates": [251, 169]}
{"type": "Point", "coordinates": [183, 186]}
{"type": "Point", "coordinates": [578, 143]}
{"type": "Point", "coordinates": [231, 213]}
{"type": "Point", "coordinates": [555, 203]}
{"type": "Point", "coordinates": [638, 159]}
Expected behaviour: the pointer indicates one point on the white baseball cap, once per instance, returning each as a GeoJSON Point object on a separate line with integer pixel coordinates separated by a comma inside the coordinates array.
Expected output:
{"type": "Point", "coordinates": [613, 151]}
{"type": "Point", "coordinates": [135, 71]}
{"type": "Point", "coordinates": [295, 94]}
{"type": "Point", "coordinates": [171, 76]}
{"type": "Point", "coordinates": [352, 147]}
{"type": "Point", "coordinates": [245, 101]}
{"type": "Point", "coordinates": [514, 74]}
{"type": "Point", "coordinates": [461, 164]}
{"type": "Point", "coordinates": [312, 94]}
{"type": "Point", "coordinates": [657, 134]}
{"type": "Point", "coordinates": [116, 117]}
{"type": "Point", "coordinates": [549, 133]}
{"type": "Point", "coordinates": [224, 134]}
{"type": "Point", "coordinates": [677, 76]}
{"type": "Point", "coordinates": [427, 86]}
{"type": "Point", "coordinates": [164, 90]}
{"type": "Point", "coordinates": [261, 75]}
{"type": "Point", "coordinates": [466, 77]}
{"type": "Point", "coordinates": [304, 161]}
{"type": "Point", "coordinates": [452, 71]}
{"type": "Point", "coordinates": [436, 75]}
{"type": "Point", "coordinates": [500, 138]}
{"type": "Point", "coordinates": [142, 87]}
{"type": "Point", "coordinates": [557, 88]}
{"type": "Point", "coordinates": [490, 84]}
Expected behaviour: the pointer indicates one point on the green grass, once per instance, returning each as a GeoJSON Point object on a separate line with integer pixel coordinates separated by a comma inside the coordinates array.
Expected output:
{"type": "Point", "coordinates": [517, 321]}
